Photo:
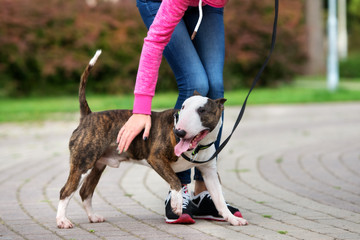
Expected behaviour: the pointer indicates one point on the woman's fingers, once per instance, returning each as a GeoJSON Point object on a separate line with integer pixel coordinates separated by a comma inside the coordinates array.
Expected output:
{"type": "Point", "coordinates": [135, 124]}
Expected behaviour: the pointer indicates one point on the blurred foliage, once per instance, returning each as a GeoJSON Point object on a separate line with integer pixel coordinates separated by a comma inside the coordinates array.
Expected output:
{"type": "Point", "coordinates": [45, 45]}
{"type": "Point", "coordinates": [249, 26]}
{"type": "Point", "coordinates": [354, 24]}
{"type": "Point", "coordinates": [354, 7]}
{"type": "Point", "coordinates": [349, 67]}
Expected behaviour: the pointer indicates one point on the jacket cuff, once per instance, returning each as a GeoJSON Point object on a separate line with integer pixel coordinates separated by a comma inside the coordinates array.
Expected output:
{"type": "Point", "coordinates": [142, 104]}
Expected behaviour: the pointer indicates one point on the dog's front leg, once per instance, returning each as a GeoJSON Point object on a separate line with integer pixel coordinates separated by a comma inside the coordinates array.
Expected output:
{"type": "Point", "coordinates": [213, 185]}
{"type": "Point", "coordinates": [163, 168]}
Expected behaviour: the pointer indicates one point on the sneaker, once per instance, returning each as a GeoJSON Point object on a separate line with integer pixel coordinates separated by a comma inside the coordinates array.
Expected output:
{"type": "Point", "coordinates": [187, 208]}
{"type": "Point", "coordinates": [205, 208]}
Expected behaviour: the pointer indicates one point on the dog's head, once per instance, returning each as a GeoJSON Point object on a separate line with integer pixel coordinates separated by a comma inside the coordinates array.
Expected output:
{"type": "Point", "coordinates": [198, 119]}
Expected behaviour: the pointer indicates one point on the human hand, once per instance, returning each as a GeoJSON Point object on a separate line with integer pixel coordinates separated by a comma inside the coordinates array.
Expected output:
{"type": "Point", "coordinates": [135, 124]}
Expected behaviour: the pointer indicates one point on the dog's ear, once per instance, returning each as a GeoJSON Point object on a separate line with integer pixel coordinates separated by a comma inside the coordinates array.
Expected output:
{"type": "Point", "coordinates": [196, 93]}
{"type": "Point", "coordinates": [221, 101]}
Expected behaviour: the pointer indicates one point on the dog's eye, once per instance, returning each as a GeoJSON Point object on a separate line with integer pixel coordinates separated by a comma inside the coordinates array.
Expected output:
{"type": "Point", "coordinates": [183, 106]}
{"type": "Point", "coordinates": [201, 110]}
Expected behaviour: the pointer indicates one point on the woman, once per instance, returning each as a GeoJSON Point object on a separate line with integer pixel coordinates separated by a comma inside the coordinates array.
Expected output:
{"type": "Point", "coordinates": [197, 65]}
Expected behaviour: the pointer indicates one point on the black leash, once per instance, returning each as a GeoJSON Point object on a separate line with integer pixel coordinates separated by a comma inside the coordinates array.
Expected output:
{"type": "Point", "coordinates": [256, 79]}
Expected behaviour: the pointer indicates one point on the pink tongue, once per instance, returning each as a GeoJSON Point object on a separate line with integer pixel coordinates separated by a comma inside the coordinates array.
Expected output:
{"type": "Point", "coordinates": [182, 146]}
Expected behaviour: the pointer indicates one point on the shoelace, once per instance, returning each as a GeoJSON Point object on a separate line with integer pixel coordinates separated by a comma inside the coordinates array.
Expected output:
{"type": "Point", "coordinates": [185, 196]}
{"type": "Point", "coordinates": [208, 196]}
{"type": "Point", "coordinates": [199, 198]}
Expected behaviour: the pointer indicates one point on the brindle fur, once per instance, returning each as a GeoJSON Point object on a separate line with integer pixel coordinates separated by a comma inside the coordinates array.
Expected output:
{"type": "Point", "coordinates": [96, 135]}
{"type": "Point", "coordinates": [95, 138]}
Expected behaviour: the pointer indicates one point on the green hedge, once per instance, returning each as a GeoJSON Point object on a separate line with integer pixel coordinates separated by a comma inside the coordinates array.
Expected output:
{"type": "Point", "coordinates": [349, 67]}
{"type": "Point", "coordinates": [46, 44]}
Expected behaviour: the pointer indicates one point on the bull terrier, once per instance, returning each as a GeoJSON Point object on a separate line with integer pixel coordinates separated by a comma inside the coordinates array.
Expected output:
{"type": "Point", "coordinates": [167, 150]}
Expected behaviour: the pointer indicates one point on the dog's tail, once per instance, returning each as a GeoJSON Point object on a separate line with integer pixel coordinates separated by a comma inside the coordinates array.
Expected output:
{"type": "Point", "coordinates": [84, 107]}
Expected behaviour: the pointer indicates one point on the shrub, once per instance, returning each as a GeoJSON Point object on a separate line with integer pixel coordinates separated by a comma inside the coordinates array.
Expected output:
{"type": "Point", "coordinates": [46, 44]}
{"type": "Point", "coordinates": [249, 27]}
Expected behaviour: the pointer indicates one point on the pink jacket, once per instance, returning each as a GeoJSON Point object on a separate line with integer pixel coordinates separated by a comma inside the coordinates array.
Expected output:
{"type": "Point", "coordinates": [159, 34]}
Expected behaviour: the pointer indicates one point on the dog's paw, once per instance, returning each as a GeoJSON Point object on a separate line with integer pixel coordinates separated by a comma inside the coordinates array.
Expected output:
{"type": "Point", "coordinates": [176, 202]}
{"type": "Point", "coordinates": [236, 221]}
{"type": "Point", "coordinates": [64, 223]}
{"type": "Point", "coordinates": [94, 218]}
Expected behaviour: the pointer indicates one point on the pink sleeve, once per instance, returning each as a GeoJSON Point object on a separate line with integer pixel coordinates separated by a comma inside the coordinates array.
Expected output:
{"type": "Point", "coordinates": [159, 34]}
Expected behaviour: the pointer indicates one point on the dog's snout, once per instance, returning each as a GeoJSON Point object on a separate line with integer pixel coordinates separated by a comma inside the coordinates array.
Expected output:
{"type": "Point", "coordinates": [180, 133]}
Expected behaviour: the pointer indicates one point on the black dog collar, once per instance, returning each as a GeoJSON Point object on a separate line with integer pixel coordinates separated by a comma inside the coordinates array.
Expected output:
{"type": "Point", "coordinates": [195, 153]}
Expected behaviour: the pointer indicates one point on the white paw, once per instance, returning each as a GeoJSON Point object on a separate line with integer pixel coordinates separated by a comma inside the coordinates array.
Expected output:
{"type": "Point", "coordinates": [236, 221]}
{"type": "Point", "coordinates": [96, 218]}
{"type": "Point", "coordinates": [63, 222]}
{"type": "Point", "coordinates": [176, 202]}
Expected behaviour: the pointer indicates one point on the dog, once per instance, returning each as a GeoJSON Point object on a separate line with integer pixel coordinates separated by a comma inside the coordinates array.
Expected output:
{"type": "Point", "coordinates": [93, 147]}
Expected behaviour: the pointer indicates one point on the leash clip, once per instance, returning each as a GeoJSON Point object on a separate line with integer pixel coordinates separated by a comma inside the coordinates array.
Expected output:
{"type": "Point", "coordinates": [194, 158]}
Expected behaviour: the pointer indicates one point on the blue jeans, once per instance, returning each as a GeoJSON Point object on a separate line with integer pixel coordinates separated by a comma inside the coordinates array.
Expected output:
{"type": "Point", "coordinates": [198, 64]}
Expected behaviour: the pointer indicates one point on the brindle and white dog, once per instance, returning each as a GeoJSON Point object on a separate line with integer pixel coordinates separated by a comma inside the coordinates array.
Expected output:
{"type": "Point", "coordinates": [93, 147]}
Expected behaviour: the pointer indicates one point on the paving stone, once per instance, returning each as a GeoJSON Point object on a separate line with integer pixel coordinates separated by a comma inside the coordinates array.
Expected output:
{"type": "Point", "coordinates": [293, 170]}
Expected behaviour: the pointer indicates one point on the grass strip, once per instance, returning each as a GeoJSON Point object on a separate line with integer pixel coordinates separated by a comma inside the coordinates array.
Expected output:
{"type": "Point", "coordinates": [63, 108]}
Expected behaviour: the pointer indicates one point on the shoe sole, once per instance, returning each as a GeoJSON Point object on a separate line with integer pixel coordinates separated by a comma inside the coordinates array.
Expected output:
{"type": "Point", "coordinates": [183, 219]}
{"type": "Point", "coordinates": [210, 217]}
{"type": "Point", "coordinates": [219, 219]}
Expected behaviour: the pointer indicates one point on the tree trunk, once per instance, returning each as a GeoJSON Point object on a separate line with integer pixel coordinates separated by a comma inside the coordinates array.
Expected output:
{"type": "Point", "coordinates": [314, 23]}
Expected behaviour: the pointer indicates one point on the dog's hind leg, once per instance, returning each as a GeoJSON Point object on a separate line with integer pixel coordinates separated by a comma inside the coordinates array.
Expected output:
{"type": "Point", "coordinates": [87, 191]}
{"type": "Point", "coordinates": [66, 193]}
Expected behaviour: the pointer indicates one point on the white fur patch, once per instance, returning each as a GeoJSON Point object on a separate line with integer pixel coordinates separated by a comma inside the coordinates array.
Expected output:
{"type": "Point", "coordinates": [83, 176]}
{"type": "Point", "coordinates": [189, 119]}
{"type": "Point", "coordinates": [110, 161]}
{"type": "Point", "coordinates": [93, 218]}
{"type": "Point", "coordinates": [176, 201]}
{"type": "Point", "coordinates": [61, 220]}
{"type": "Point", "coordinates": [94, 59]}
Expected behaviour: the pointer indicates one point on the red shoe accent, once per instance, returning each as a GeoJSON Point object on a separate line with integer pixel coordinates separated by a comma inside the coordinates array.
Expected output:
{"type": "Point", "coordinates": [238, 214]}
{"type": "Point", "coordinates": [183, 219]}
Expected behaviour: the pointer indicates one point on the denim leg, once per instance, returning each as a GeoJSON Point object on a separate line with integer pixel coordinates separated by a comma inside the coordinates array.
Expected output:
{"type": "Point", "coordinates": [148, 10]}
{"type": "Point", "coordinates": [213, 36]}
{"type": "Point", "coordinates": [186, 64]}
{"type": "Point", "coordinates": [183, 59]}
{"type": "Point", "coordinates": [198, 64]}
{"type": "Point", "coordinates": [210, 46]}
{"type": "Point", "coordinates": [189, 72]}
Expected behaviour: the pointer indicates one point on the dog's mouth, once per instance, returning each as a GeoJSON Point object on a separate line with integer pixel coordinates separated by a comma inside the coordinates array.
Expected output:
{"type": "Point", "coordinates": [190, 143]}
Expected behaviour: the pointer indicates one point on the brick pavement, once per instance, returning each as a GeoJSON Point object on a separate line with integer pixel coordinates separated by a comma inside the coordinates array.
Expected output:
{"type": "Point", "coordinates": [293, 170]}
